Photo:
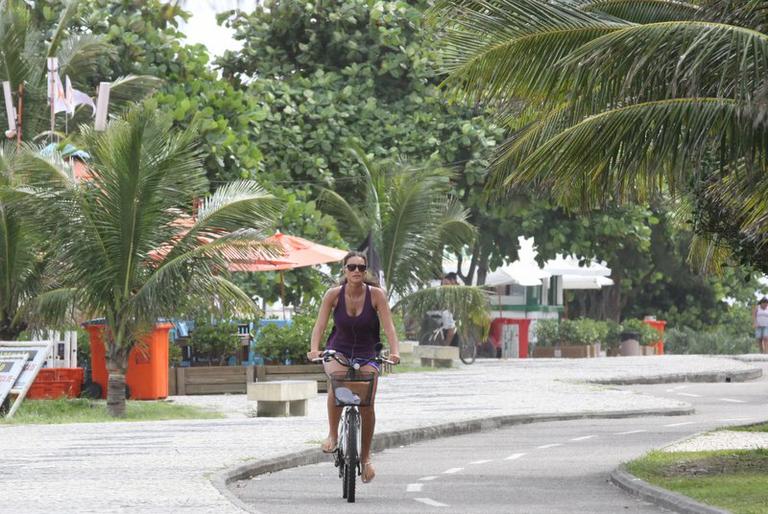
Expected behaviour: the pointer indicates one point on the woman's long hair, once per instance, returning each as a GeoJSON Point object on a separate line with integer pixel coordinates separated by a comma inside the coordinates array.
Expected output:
{"type": "Point", "coordinates": [368, 278]}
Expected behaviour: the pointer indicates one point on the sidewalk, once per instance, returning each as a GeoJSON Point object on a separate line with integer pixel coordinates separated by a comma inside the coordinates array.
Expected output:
{"type": "Point", "coordinates": [166, 466]}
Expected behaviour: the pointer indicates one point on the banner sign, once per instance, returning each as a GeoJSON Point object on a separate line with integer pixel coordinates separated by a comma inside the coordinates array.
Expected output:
{"type": "Point", "coordinates": [36, 353]}
{"type": "Point", "coordinates": [11, 365]}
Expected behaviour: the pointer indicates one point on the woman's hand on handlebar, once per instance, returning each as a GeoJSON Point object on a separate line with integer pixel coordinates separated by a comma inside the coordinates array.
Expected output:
{"type": "Point", "coordinates": [394, 357]}
{"type": "Point", "coordinates": [315, 355]}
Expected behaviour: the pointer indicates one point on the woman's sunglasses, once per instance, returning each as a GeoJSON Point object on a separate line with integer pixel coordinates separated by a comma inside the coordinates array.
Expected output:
{"type": "Point", "coordinates": [360, 267]}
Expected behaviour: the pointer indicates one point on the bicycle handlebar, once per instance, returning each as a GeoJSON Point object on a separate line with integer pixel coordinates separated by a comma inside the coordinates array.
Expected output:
{"type": "Point", "coordinates": [327, 355]}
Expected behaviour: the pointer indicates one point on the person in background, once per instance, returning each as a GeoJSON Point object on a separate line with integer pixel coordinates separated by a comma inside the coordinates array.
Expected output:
{"type": "Point", "coordinates": [760, 323]}
{"type": "Point", "coordinates": [446, 316]}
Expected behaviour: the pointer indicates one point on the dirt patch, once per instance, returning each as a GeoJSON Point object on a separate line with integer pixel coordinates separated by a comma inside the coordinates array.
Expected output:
{"type": "Point", "coordinates": [738, 462]}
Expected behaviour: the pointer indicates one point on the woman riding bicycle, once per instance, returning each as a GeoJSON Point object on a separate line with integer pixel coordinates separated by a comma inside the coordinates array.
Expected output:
{"type": "Point", "coordinates": [359, 310]}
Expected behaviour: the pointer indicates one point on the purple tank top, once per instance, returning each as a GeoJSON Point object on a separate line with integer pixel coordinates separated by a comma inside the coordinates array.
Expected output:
{"type": "Point", "coordinates": [355, 336]}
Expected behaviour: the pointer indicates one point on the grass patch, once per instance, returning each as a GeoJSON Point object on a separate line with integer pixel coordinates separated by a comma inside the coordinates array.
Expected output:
{"type": "Point", "coordinates": [80, 410]}
{"type": "Point", "coordinates": [734, 480]}
{"type": "Point", "coordinates": [758, 427]}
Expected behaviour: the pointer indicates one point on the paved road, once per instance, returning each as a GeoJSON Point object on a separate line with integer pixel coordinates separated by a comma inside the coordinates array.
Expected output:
{"type": "Point", "coordinates": [539, 468]}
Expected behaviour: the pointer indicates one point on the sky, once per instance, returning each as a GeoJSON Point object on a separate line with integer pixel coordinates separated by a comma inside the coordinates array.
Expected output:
{"type": "Point", "coordinates": [202, 27]}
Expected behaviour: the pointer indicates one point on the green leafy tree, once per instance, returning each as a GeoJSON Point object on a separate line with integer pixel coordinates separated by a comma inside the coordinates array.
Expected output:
{"type": "Point", "coordinates": [121, 255]}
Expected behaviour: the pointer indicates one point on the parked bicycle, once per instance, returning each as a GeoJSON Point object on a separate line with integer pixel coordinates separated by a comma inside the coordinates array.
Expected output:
{"type": "Point", "coordinates": [433, 333]}
{"type": "Point", "coordinates": [351, 389]}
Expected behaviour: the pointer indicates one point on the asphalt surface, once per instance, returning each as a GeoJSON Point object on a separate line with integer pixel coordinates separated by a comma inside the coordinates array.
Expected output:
{"type": "Point", "coordinates": [539, 468]}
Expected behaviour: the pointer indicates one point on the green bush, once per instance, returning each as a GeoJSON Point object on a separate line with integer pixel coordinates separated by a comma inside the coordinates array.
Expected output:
{"type": "Point", "coordinates": [214, 342]}
{"type": "Point", "coordinates": [547, 332]}
{"type": "Point", "coordinates": [286, 343]}
{"type": "Point", "coordinates": [612, 334]}
{"type": "Point", "coordinates": [719, 341]}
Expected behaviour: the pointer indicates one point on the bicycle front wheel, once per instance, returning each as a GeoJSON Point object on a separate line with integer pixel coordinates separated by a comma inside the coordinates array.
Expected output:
{"type": "Point", "coordinates": [352, 457]}
{"type": "Point", "coordinates": [467, 351]}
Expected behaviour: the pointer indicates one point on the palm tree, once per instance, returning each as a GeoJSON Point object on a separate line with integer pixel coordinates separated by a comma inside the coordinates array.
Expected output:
{"type": "Point", "coordinates": [409, 214]}
{"type": "Point", "coordinates": [411, 217]}
{"type": "Point", "coordinates": [23, 52]}
{"type": "Point", "coordinates": [632, 97]}
{"type": "Point", "coordinates": [119, 250]}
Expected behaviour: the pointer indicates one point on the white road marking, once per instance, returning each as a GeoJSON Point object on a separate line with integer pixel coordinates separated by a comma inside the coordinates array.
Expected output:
{"type": "Point", "coordinates": [428, 478]}
{"type": "Point", "coordinates": [430, 502]}
{"type": "Point", "coordinates": [413, 488]}
{"type": "Point", "coordinates": [680, 424]}
{"type": "Point", "coordinates": [732, 400]}
{"type": "Point", "coordinates": [736, 419]}
{"type": "Point", "coordinates": [452, 470]}
{"type": "Point", "coordinates": [545, 446]}
{"type": "Point", "coordinates": [631, 432]}
{"type": "Point", "coordinates": [676, 388]}
{"type": "Point", "coordinates": [689, 394]}
{"type": "Point", "coordinates": [481, 461]}
{"type": "Point", "coordinates": [514, 456]}
{"type": "Point", "coordinates": [582, 438]}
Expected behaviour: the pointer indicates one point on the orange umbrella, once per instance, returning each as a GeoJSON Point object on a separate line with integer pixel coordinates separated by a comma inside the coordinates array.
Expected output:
{"type": "Point", "coordinates": [296, 253]}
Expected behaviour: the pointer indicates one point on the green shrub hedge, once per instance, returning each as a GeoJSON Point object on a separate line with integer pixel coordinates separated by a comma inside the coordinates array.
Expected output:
{"type": "Point", "coordinates": [584, 331]}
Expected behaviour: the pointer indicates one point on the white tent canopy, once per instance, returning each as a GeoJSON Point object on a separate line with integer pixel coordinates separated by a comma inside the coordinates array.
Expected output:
{"type": "Point", "coordinates": [569, 265]}
{"type": "Point", "coordinates": [525, 271]}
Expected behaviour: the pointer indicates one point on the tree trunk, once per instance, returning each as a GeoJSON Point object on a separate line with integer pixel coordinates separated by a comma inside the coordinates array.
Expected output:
{"type": "Point", "coordinates": [116, 393]}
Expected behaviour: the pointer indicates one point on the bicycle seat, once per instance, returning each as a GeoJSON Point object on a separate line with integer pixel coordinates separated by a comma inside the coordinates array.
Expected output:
{"type": "Point", "coordinates": [346, 396]}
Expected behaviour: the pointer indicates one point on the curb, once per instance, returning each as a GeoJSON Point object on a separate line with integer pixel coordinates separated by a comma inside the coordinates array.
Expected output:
{"type": "Point", "coordinates": [222, 480]}
{"type": "Point", "coordinates": [659, 496]}
{"type": "Point", "coordinates": [713, 376]}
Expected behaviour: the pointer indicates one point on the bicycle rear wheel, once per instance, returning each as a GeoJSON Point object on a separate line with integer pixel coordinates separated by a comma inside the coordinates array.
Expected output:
{"type": "Point", "coordinates": [467, 350]}
{"type": "Point", "coordinates": [351, 455]}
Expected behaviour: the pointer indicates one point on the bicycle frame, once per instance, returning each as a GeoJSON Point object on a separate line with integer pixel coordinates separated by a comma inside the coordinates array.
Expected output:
{"type": "Point", "coordinates": [348, 449]}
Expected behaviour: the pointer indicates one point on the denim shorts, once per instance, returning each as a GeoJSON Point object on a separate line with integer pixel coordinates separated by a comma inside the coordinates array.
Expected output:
{"type": "Point", "coordinates": [761, 332]}
{"type": "Point", "coordinates": [361, 361]}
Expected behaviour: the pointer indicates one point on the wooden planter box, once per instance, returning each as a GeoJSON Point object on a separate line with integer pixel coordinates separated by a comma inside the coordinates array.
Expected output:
{"type": "Point", "coordinates": [580, 351]}
{"type": "Point", "coordinates": [544, 352]}
{"type": "Point", "coordinates": [293, 372]}
{"type": "Point", "coordinates": [209, 380]}
{"type": "Point", "coordinates": [234, 379]}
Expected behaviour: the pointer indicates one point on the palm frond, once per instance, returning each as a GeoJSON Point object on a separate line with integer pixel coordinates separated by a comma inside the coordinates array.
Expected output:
{"type": "Point", "coordinates": [626, 153]}
{"type": "Point", "coordinates": [125, 91]}
{"type": "Point", "coordinates": [238, 204]}
{"type": "Point", "coordinates": [468, 304]}
{"type": "Point", "coordinates": [645, 11]}
{"type": "Point", "coordinates": [66, 15]}
{"type": "Point", "coordinates": [79, 54]}
{"type": "Point", "coordinates": [667, 60]}
{"type": "Point", "coordinates": [353, 224]}
{"type": "Point", "coordinates": [498, 50]}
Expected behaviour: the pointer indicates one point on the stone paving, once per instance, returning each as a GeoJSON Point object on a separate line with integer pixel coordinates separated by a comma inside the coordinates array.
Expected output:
{"type": "Point", "coordinates": [165, 466]}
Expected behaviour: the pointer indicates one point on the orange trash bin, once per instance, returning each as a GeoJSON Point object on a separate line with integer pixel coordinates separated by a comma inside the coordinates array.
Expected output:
{"type": "Point", "coordinates": [147, 374]}
{"type": "Point", "coordinates": [659, 325]}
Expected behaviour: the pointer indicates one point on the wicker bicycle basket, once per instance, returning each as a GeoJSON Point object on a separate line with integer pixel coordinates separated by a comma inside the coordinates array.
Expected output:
{"type": "Point", "coordinates": [357, 390]}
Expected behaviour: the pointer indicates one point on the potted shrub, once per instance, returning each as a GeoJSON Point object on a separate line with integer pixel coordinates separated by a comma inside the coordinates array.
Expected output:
{"type": "Point", "coordinates": [547, 336]}
{"type": "Point", "coordinates": [287, 344]}
{"type": "Point", "coordinates": [214, 342]}
{"type": "Point", "coordinates": [612, 338]}
{"type": "Point", "coordinates": [575, 338]}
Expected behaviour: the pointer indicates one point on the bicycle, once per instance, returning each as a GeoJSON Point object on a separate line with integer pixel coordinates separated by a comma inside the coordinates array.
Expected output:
{"type": "Point", "coordinates": [351, 389]}
{"type": "Point", "coordinates": [436, 336]}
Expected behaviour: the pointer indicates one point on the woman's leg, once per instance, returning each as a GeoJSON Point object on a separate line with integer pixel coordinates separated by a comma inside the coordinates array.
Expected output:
{"type": "Point", "coordinates": [334, 412]}
{"type": "Point", "coordinates": [368, 415]}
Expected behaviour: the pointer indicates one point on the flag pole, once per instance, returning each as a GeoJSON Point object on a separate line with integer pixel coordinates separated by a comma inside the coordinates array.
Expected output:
{"type": "Point", "coordinates": [20, 115]}
{"type": "Point", "coordinates": [52, 65]}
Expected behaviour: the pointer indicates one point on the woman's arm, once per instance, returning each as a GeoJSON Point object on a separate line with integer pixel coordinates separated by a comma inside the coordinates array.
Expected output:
{"type": "Point", "coordinates": [385, 317]}
{"type": "Point", "coordinates": [322, 321]}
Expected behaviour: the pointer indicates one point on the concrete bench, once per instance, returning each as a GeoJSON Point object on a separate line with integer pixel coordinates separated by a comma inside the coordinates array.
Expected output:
{"type": "Point", "coordinates": [282, 398]}
{"type": "Point", "coordinates": [437, 356]}
{"type": "Point", "coordinates": [407, 353]}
